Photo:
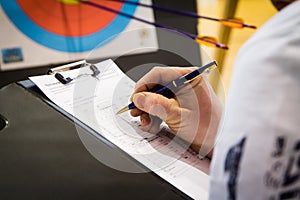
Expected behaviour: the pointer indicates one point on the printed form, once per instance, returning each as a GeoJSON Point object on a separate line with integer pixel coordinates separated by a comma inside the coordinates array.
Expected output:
{"type": "Point", "coordinates": [95, 102]}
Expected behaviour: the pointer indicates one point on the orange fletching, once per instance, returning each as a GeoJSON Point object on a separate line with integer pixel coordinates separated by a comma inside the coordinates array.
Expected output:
{"type": "Point", "coordinates": [207, 41]}
{"type": "Point", "coordinates": [234, 23]}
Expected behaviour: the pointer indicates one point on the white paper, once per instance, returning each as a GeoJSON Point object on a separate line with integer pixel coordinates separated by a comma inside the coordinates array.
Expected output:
{"type": "Point", "coordinates": [95, 101]}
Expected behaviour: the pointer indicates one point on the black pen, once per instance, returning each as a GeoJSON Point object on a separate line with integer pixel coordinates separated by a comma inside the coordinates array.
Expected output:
{"type": "Point", "coordinates": [176, 83]}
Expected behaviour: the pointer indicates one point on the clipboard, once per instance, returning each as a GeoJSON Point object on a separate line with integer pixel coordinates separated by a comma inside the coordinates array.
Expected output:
{"type": "Point", "coordinates": [195, 188]}
{"type": "Point", "coordinates": [157, 183]}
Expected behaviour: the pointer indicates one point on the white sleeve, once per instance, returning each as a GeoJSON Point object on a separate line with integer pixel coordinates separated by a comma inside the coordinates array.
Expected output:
{"type": "Point", "coordinates": [257, 154]}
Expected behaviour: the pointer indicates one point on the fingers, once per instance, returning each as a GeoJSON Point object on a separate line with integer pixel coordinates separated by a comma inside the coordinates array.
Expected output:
{"type": "Point", "coordinates": [136, 112]}
{"type": "Point", "coordinates": [150, 123]}
{"type": "Point", "coordinates": [156, 105]}
{"type": "Point", "coordinates": [145, 119]}
{"type": "Point", "coordinates": [158, 75]}
{"type": "Point", "coordinates": [151, 104]}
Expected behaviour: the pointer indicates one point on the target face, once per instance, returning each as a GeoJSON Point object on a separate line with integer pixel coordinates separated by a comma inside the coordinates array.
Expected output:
{"type": "Point", "coordinates": [68, 26]}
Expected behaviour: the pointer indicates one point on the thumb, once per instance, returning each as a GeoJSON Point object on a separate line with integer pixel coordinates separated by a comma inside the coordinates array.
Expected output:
{"type": "Point", "coordinates": [156, 104]}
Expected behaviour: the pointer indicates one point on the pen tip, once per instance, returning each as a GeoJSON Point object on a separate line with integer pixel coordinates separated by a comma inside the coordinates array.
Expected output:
{"type": "Point", "coordinates": [123, 110]}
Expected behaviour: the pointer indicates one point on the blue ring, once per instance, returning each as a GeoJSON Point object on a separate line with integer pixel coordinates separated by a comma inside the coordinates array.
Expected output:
{"type": "Point", "coordinates": [66, 43]}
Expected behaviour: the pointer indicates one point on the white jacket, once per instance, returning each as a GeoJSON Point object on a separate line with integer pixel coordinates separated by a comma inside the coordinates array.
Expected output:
{"type": "Point", "coordinates": [257, 155]}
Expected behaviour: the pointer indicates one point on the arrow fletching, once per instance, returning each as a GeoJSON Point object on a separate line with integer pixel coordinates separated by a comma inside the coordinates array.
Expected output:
{"type": "Point", "coordinates": [210, 42]}
{"type": "Point", "coordinates": [236, 23]}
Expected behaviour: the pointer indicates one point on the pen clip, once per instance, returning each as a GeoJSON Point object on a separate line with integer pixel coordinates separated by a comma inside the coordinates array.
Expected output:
{"type": "Point", "coordinates": [205, 71]}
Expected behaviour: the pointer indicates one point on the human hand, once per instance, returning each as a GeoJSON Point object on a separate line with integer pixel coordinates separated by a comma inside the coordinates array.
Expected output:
{"type": "Point", "coordinates": [193, 114]}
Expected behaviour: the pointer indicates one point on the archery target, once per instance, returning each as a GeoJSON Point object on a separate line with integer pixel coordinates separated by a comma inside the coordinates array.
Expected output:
{"type": "Point", "coordinates": [62, 31]}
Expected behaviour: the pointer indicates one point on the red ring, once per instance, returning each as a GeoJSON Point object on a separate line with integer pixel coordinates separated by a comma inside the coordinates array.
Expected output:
{"type": "Point", "coordinates": [69, 20]}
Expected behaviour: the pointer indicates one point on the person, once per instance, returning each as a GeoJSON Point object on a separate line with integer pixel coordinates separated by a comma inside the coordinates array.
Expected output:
{"type": "Point", "coordinates": [257, 140]}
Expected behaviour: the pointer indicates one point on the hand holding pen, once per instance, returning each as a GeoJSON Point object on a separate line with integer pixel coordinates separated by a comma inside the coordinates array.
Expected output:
{"type": "Point", "coordinates": [192, 114]}
{"type": "Point", "coordinates": [176, 84]}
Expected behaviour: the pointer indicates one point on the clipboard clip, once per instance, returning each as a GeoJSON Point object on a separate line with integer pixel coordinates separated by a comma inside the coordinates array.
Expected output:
{"type": "Point", "coordinates": [65, 80]}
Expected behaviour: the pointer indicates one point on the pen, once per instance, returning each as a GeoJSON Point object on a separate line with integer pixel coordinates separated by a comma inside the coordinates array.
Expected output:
{"type": "Point", "coordinates": [176, 83]}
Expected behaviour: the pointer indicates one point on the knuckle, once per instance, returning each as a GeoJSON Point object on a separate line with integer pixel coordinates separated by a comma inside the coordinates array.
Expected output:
{"type": "Point", "coordinates": [174, 108]}
{"type": "Point", "coordinates": [156, 68]}
{"type": "Point", "coordinates": [155, 71]}
{"type": "Point", "coordinates": [171, 106]}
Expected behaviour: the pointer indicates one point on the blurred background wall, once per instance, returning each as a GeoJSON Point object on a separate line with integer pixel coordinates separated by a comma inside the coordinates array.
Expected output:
{"type": "Point", "coordinates": [255, 12]}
